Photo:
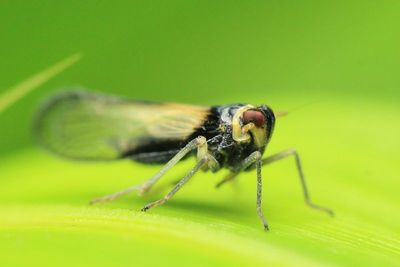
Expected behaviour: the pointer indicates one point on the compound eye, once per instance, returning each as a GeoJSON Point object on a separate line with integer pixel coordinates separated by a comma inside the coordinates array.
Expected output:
{"type": "Point", "coordinates": [254, 116]}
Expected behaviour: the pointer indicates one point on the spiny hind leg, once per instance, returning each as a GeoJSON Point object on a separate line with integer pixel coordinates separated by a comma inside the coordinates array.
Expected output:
{"type": "Point", "coordinates": [200, 142]}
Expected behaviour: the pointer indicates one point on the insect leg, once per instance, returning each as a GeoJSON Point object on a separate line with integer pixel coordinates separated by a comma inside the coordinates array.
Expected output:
{"type": "Point", "coordinates": [293, 152]}
{"type": "Point", "coordinates": [144, 187]}
{"type": "Point", "coordinates": [255, 157]}
{"type": "Point", "coordinates": [277, 157]}
{"type": "Point", "coordinates": [259, 193]}
{"type": "Point", "coordinates": [211, 164]}
{"type": "Point", "coordinates": [230, 177]}
{"type": "Point", "coordinates": [202, 162]}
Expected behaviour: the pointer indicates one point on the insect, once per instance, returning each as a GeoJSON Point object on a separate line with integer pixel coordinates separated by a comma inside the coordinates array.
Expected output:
{"type": "Point", "coordinates": [85, 125]}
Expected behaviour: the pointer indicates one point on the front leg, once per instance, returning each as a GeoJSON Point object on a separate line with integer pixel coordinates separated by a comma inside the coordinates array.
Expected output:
{"type": "Point", "coordinates": [255, 157]}
{"type": "Point", "coordinates": [293, 152]}
{"type": "Point", "coordinates": [279, 156]}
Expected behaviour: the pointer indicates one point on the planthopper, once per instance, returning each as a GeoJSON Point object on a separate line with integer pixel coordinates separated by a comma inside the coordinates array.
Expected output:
{"type": "Point", "coordinates": [84, 125]}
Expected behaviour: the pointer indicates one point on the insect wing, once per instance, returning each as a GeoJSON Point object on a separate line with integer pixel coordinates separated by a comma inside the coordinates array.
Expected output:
{"type": "Point", "coordinates": [92, 126]}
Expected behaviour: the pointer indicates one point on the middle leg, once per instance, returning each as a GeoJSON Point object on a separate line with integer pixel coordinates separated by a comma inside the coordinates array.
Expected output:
{"type": "Point", "coordinates": [200, 143]}
{"type": "Point", "coordinates": [207, 161]}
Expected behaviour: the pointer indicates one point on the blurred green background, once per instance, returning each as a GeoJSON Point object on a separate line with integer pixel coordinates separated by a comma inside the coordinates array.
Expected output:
{"type": "Point", "coordinates": [334, 64]}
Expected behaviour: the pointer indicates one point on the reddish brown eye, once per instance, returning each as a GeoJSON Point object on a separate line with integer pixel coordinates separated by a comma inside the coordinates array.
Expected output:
{"type": "Point", "coordinates": [254, 116]}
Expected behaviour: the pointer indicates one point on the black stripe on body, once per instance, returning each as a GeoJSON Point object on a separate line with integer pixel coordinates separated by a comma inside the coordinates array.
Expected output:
{"type": "Point", "coordinates": [158, 151]}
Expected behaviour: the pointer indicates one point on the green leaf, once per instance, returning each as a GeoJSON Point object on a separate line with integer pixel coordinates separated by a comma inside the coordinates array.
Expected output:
{"type": "Point", "coordinates": [341, 56]}
{"type": "Point", "coordinates": [45, 214]}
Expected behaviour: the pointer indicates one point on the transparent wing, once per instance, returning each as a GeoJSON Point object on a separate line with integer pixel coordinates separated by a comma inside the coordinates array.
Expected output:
{"type": "Point", "coordinates": [92, 126]}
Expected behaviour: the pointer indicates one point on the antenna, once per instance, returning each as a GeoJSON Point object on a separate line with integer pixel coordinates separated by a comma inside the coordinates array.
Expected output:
{"type": "Point", "coordinates": [281, 114]}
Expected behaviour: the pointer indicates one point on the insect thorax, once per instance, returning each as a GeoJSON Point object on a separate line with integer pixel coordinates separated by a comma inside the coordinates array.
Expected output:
{"type": "Point", "coordinates": [224, 148]}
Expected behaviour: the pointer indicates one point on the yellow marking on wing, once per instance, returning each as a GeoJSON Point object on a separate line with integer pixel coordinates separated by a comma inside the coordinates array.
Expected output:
{"type": "Point", "coordinates": [88, 125]}
{"type": "Point", "coordinates": [169, 120]}
{"type": "Point", "coordinates": [178, 120]}
{"type": "Point", "coordinates": [13, 94]}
